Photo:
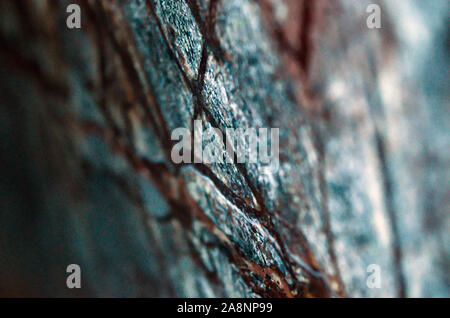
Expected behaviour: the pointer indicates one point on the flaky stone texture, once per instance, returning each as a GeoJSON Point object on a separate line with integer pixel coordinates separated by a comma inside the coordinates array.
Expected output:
{"type": "Point", "coordinates": [88, 179]}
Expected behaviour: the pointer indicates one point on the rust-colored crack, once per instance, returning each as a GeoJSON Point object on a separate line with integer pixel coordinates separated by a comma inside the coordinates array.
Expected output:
{"type": "Point", "coordinates": [207, 28]}
{"type": "Point", "coordinates": [111, 17]}
{"type": "Point", "coordinates": [151, 9]}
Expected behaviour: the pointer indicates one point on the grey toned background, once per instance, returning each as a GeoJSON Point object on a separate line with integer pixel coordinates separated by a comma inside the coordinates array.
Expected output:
{"type": "Point", "coordinates": [85, 168]}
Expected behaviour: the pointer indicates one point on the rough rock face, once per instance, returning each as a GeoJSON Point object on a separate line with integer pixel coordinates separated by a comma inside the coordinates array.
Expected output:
{"type": "Point", "coordinates": [87, 176]}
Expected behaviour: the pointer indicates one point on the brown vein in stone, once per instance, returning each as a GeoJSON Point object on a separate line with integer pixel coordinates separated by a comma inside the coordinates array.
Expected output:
{"type": "Point", "coordinates": [133, 67]}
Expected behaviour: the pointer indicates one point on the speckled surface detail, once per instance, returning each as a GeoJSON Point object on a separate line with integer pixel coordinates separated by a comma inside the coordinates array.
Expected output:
{"type": "Point", "coordinates": [363, 175]}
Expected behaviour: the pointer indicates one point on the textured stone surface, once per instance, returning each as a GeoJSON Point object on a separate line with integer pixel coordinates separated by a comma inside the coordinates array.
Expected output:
{"type": "Point", "coordinates": [87, 176]}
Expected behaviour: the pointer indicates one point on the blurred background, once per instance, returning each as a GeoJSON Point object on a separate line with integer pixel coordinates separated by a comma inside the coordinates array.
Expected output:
{"type": "Point", "coordinates": [86, 176]}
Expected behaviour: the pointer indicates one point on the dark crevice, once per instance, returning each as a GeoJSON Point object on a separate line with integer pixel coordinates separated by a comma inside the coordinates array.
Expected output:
{"type": "Point", "coordinates": [387, 186]}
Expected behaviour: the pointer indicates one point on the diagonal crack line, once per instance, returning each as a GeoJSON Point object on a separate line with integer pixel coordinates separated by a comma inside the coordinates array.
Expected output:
{"type": "Point", "coordinates": [207, 27]}
{"type": "Point", "coordinates": [151, 9]}
{"type": "Point", "coordinates": [387, 186]}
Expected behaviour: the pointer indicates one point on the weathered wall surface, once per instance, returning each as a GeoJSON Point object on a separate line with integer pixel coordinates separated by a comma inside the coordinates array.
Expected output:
{"type": "Point", "coordinates": [87, 176]}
